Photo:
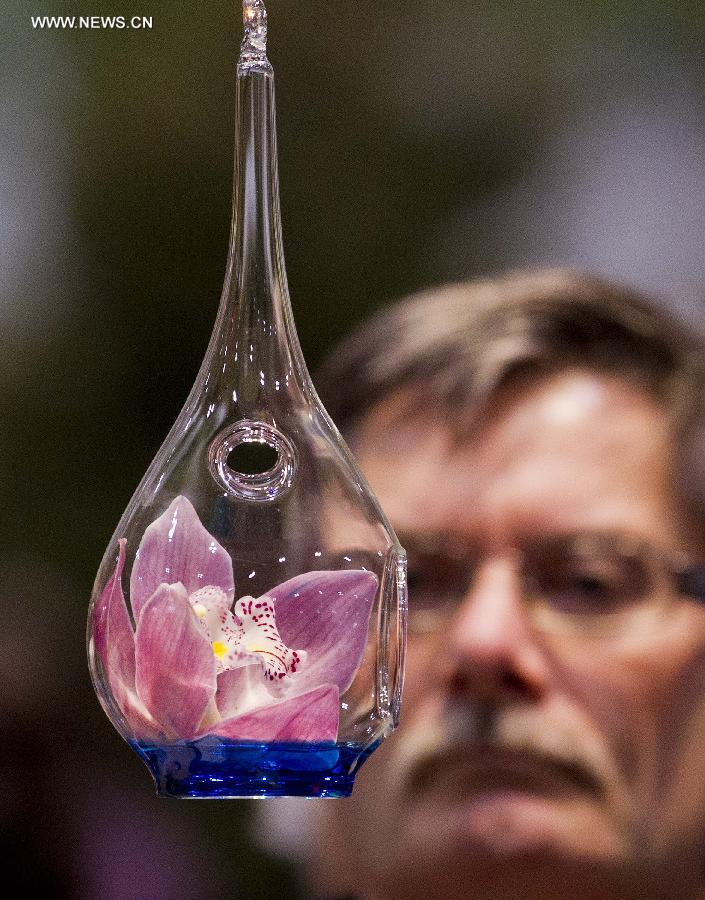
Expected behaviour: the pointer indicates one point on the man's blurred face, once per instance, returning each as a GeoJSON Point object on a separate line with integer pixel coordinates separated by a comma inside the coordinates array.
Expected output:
{"type": "Point", "coordinates": [540, 753]}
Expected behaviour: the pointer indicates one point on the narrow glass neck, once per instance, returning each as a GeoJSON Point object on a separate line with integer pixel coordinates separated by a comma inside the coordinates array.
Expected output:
{"type": "Point", "coordinates": [256, 242]}
{"type": "Point", "coordinates": [263, 351]}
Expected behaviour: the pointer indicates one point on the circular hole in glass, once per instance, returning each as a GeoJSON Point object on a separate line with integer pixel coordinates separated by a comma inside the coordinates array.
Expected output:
{"type": "Point", "coordinates": [252, 461]}
{"type": "Point", "coordinates": [252, 458]}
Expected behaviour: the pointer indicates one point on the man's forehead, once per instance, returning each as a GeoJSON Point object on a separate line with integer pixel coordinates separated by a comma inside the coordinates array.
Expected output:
{"type": "Point", "coordinates": [577, 445]}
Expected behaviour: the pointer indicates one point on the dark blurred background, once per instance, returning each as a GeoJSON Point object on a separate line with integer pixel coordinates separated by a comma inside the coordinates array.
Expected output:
{"type": "Point", "coordinates": [419, 143]}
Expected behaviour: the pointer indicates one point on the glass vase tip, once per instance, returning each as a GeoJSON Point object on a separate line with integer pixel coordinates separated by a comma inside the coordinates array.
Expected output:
{"type": "Point", "coordinates": [254, 42]}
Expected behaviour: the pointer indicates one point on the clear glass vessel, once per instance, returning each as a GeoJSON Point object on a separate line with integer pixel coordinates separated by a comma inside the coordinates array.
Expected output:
{"type": "Point", "coordinates": [246, 631]}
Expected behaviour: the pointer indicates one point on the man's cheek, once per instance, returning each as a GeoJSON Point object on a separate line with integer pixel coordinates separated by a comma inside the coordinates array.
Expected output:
{"type": "Point", "coordinates": [684, 801]}
{"type": "Point", "coordinates": [629, 701]}
{"type": "Point", "coordinates": [679, 780]}
{"type": "Point", "coordinates": [422, 674]}
{"type": "Point", "coordinates": [613, 698]}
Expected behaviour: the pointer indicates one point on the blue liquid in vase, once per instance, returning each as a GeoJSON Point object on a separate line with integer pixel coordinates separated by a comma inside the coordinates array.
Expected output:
{"type": "Point", "coordinates": [213, 768]}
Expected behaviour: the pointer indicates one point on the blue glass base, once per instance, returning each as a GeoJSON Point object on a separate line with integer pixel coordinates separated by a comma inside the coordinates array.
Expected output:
{"type": "Point", "coordinates": [214, 768]}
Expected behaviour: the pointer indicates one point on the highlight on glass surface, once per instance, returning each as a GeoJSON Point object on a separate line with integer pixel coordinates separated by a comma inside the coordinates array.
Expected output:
{"type": "Point", "coordinates": [246, 633]}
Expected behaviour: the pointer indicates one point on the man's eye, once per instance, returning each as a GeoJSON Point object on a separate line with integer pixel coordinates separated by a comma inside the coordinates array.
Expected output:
{"type": "Point", "coordinates": [415, 579]}
{"type": "Point", "coordinates": [426, 587]}
{"type": "Point", "coordinates": [436, 582]}
{"type": "Point", "coordinates": [593, 589]}
{"type": "Point", "coordinates": [602, 589]}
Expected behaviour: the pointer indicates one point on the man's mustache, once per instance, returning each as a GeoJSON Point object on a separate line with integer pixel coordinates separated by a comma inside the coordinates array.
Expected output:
{"type": "Point", "coordinates": [467, 729]}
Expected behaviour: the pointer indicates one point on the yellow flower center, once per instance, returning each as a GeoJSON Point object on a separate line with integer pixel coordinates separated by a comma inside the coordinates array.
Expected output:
{"type": "Point", "coordinates": [219, 649]}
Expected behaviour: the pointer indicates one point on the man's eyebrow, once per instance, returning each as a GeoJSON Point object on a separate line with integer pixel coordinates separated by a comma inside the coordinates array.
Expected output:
{"type": "Point", "coordinates": [453, 545]}
{"type": "Point", "coordinates": [434, 543]}
{"type": "Point", "coordinates": [420, 540]}
{"type": "Point", "coordinates": [607, 535]}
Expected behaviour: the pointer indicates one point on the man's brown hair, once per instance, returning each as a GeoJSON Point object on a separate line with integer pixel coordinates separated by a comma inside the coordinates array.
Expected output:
{"type": "Point", "coordinates": [456, 347]}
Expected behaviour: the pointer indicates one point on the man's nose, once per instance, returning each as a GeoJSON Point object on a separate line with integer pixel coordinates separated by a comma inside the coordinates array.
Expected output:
{"type": "Point", "coordinates": [493, 652]}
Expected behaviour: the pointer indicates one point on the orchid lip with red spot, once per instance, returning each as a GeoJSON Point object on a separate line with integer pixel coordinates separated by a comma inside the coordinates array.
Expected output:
{"type": "Point", "coordinates": [268, 669]}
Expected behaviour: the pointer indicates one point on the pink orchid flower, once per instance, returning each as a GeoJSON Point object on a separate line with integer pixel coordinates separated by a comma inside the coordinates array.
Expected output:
{"type": "Point", "coordinates": [267, 669]}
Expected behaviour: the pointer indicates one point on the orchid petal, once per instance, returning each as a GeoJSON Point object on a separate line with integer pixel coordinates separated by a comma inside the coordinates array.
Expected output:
{"type": "Point", "coordinates": [175, 675]}
{"type": "Point", "coordinates": [241, 690]}
{"type": "Point", "coordinates": [112, 589]}
{"type": "Point", "coordinates": [177, 548]}
{"type": "Point", "coordinates": [261, 638]}
{"type": "Point", "coordinates": [212, 598]}
{"type": "Point", "coordinates": [114, 641]}
{"type": "Point", "coordinates": [312, 716]}
{"type": "Point", "coordinates": [142, 724]}
{"type": "Point", "coordinates": [113, 636]}
{"type": "Point", "coordinates": [326, 614]}
{"type": "Point", "coordinates": [120, 640]}
{"type": "Point", "coordinates": [221, 628]}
